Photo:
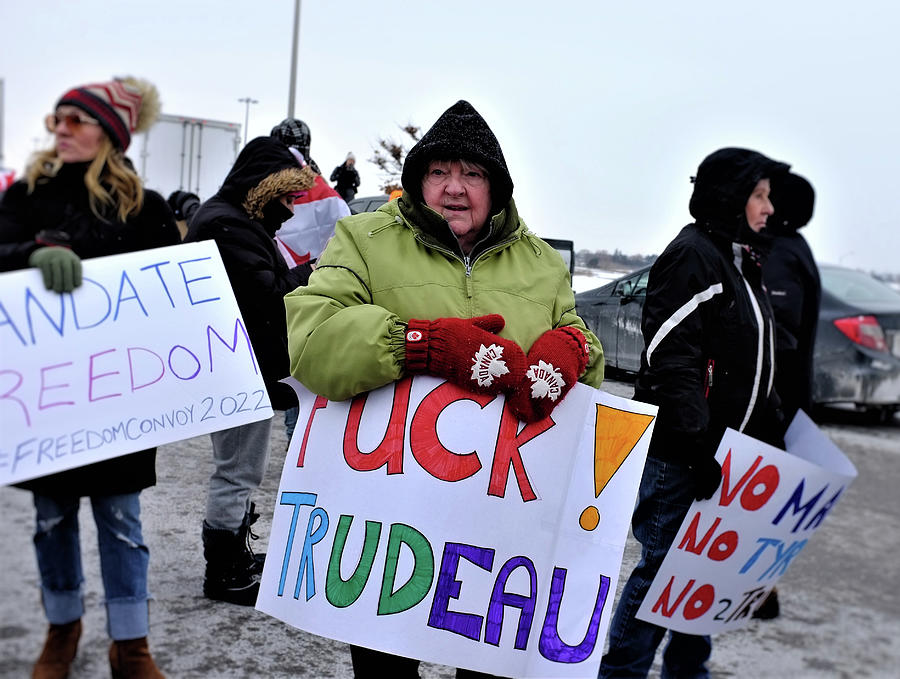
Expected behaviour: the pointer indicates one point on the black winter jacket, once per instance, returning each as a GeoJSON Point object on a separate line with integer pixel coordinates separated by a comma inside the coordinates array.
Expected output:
{"type": "Point", "coordinates": [795, 290]}
{"type": "Point", "coordinates": [346, 178]}
{"type": "Point", "coordinates": [61, 205]}
{"type": "Point", "coordinates": [258, 273]}
{"type": "Point", "coordinates": [707, 324]}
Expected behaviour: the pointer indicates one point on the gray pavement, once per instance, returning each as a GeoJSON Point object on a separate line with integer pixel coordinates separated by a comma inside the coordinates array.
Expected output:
{"type": "Point", "coordinates": [840, 599]}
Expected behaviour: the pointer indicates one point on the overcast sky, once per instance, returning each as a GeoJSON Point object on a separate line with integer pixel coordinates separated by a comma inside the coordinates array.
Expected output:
{"type": "Point", "coordinates": [603, 109]}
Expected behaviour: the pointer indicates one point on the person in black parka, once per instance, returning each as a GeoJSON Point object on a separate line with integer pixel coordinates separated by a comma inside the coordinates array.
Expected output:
{"type": "Point", "coordinates": [256, 197]}
{"type": "Point", "coordinates": [795, 290]}
{"type": "Point", "coordinates": [708, 330]}
{"type": "Point", "coordinates": [78, 200]}
{"type": "Point", "coordinates": [346, 178]}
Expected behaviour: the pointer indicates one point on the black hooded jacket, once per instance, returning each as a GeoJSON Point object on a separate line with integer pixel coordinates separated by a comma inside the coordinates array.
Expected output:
{"type": "Point", "coordinates": [242, 218]}
{"type": "Point", "coordinates": [795, 290]}
{"type": "Point", "coordinates": [707, 324]}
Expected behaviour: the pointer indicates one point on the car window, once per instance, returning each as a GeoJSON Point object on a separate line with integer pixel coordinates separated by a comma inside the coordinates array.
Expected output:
{"type": "Point", "coordinates": [623, 287]}
{"type": "Point", "coordinates": [640, 287]}
{"type": "Point", "coordinates": [856, 287]}
{"type": "Point", "coordinates": [633, 285]}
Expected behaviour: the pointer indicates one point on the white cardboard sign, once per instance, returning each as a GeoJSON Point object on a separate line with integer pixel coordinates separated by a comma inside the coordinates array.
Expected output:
{"type": "Point", "coordinates": [732, 549]}
{"type": "Point", "coordinates": [150, 349]}
{"type": "Point", "coordinates": [425, 521]}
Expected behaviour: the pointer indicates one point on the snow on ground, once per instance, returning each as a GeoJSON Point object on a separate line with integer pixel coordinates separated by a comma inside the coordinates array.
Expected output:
{"type": "Point", "coordinates": [588, 279]}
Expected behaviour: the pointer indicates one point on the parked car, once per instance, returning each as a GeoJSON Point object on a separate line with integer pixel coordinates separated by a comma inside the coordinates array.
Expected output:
{"type": "Point", "coordinates": [613, 311]}
{"type": "Point", "coordinates": [857, 353]}
{"type": "Point", "coordinates": [367, 203]}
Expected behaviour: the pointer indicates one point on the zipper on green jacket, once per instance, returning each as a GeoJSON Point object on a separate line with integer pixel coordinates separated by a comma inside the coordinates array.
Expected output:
{"type": "Point", "coordinates": [467, 262]}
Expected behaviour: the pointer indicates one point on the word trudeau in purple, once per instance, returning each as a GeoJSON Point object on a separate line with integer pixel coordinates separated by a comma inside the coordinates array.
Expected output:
{"type": "Point", "coordinates": [469, 625]}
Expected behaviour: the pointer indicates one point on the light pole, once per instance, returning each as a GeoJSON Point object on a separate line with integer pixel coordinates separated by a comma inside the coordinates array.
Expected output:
{"type": "Point", "coordinates": [293, 88]}
{"type": "Point", "coordinates": [247, 101]}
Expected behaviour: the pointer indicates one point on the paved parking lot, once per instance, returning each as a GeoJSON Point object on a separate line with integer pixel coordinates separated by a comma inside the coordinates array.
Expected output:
{"type": "Point", "coordinates": [840, 599]}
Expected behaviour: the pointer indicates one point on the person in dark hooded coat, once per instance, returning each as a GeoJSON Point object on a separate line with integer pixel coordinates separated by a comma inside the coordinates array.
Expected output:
{"type": "Point", "coordinates": [256, 197]}
{"type": "Point", "coordinates": [795, 290]}
{"type": "Point", "coordinates": [708, 330]}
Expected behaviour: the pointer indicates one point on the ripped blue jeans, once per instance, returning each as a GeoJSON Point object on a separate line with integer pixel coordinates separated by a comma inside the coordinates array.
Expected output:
{"type": "Point", "coordinates": [124, 559]}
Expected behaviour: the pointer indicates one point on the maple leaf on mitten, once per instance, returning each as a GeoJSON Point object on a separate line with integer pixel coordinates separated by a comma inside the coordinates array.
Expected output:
{"type": "Point", "coordinates": [488, 364]}
{"type": "Point", "coordinates": [555, 362]}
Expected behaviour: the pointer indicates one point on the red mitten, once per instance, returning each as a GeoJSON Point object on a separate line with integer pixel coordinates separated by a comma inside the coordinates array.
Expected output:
{"type": "Point", "coordinates": [465, 351]}
{"type": "Point", "coordinates": [556, 360]}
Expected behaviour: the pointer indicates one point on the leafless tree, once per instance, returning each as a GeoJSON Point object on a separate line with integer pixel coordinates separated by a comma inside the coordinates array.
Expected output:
{"type": "Point", "coordinates": [389, 157]}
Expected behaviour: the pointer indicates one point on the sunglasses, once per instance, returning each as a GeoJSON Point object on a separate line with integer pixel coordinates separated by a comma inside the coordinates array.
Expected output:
{"type": "Point", "coordinates": [73, 121]}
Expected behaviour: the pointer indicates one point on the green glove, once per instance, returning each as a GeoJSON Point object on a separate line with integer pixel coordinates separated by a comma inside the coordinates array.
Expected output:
{"type": "Point", "coordinates": [60, 266]}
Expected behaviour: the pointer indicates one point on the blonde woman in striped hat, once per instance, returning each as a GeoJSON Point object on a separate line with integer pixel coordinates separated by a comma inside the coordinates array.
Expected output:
{"type": "Point", "coordinates": [80, 199]}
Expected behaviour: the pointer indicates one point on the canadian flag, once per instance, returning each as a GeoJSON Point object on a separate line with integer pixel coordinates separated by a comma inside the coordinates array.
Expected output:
{"type": "Point", "coordinates": [7, 177]}
{"type": "Point", "coordinates": [303, 237]}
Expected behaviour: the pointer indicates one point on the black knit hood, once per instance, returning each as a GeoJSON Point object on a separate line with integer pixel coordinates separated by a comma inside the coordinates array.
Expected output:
{"type": "Point", "coordinates": [264, 170]}
{"type": "Point", "coordinates": [459, 134]}
{"type": "Point", "coordinates": [794, 198]}
{"type": "Point", "coordinates": [724, 182]}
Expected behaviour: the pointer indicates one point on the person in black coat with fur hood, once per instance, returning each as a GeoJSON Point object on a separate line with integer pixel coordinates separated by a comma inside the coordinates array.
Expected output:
{"type": "Point", "coordinates": [256, 197]}
{"type": "Point", "coordinates": [708, 330]}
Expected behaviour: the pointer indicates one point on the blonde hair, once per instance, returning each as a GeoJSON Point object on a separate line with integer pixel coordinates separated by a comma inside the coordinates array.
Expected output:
{"type": "Point", "coordinates": [109, 180]}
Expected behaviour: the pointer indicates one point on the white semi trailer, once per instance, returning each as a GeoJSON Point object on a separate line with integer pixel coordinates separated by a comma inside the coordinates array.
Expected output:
{"type": "Point", "coordinates": [187, 154]}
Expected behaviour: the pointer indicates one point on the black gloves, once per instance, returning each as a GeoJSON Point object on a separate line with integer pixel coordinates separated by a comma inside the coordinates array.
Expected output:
{"type": "Point", "coordinates": [707, 475]}
{"type": "Point", "coordinates": [775, 423]}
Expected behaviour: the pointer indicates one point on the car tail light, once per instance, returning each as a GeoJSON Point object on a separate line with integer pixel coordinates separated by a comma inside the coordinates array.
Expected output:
{"type": "Point", "coordinates": [863, 330]}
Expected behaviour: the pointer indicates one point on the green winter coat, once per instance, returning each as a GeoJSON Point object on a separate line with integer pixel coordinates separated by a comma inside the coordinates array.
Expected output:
{"type": "Point", "coordinates": [347, 327]}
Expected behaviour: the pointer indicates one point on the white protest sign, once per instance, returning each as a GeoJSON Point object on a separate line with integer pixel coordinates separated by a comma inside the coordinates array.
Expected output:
{"type": "Point", "coordinates": [150, 349]}
{"type": "Point", "coordinates": [426, 521]}
{"type": "Point", "coordinates": [732, 549]}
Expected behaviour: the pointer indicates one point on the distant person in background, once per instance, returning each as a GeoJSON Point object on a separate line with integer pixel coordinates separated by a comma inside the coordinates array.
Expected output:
{"type": "Point", "coordinates": [302, 238]}
{"type": "Point", "coordinates": [255, 200]}
{"type": "Point", "coordinates": [346, 178]}
{"type": "Point", "coordinates": [708, 331]}
{"type": "Point", "coordinates": [795, 291]}
{"type": "Point", "coordinates": [184, 204]}
{"type": "Point", "coordinates": [77, 200]}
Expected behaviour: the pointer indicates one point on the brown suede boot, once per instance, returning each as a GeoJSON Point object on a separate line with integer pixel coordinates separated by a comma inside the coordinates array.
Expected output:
{"type": "Point", "coordinates": [59, 651]}
{"type": "Point", "coordinates": [131, 659]}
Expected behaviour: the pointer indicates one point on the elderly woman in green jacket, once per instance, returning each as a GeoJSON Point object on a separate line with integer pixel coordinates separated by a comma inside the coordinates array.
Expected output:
{"type": "Point", "coordinates": [446, 280]}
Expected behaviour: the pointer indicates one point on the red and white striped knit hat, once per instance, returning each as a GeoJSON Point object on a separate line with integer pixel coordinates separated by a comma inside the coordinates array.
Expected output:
{"type": "Point", "coordinates": [121, 106]}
